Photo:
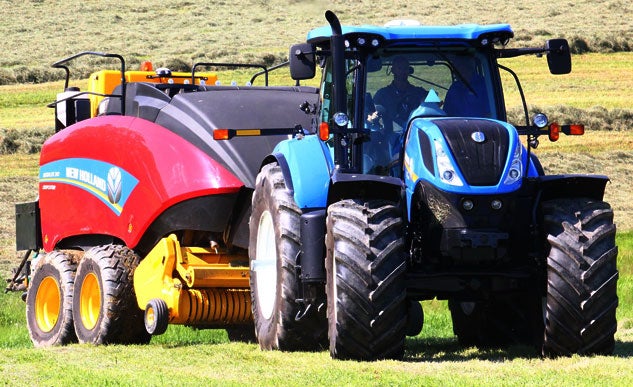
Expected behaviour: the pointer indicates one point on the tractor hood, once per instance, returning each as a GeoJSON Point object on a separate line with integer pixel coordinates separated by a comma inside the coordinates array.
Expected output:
{"type": "Point", "coordinates": [464, 155]}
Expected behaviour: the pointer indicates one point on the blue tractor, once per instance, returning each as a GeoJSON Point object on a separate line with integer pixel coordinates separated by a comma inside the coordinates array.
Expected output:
{"type": "Point", "coordinates": [412, 186]}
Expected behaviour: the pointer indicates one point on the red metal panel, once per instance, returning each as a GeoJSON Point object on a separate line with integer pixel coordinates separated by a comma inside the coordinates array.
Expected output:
{"type": "Point", "coordinates": [114, 175]}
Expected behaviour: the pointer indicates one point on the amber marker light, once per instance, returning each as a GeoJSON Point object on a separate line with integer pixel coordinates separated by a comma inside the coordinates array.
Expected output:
{"type": "Point", "coordinates": [324, 131]}
{"type": "Point", "coordinates": [248, 132]}
{"type": "Point", "coordinates": [554, 131]}
{"type": "Point", "coordinates": [574, 130]}
{"type": "Point", "coordinates": [221, 134]}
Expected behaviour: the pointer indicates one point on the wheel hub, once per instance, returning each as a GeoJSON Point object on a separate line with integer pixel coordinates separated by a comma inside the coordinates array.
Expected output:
{"type": "Point", "coordinates": [90, 301]}
{"type": "Point", "coordinates": [265, 265]}
{"type": "Point", "coordinates": [47, 304]}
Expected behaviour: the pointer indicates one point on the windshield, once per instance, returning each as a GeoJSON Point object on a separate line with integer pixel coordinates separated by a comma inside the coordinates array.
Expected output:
{"type": "Point", "coordinates": [397, 81]}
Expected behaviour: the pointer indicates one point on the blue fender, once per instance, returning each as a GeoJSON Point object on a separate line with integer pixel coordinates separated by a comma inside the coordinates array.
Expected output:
{"type": "Point", "coordinates": [306, 163]}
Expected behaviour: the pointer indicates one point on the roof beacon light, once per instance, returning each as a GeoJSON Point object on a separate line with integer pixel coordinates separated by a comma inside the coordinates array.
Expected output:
{"type": "Point", "coordinates": [403, 23]}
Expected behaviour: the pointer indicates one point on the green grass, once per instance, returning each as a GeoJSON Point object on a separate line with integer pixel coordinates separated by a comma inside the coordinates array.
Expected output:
{"type": "Point", "coordinates": [596, 80]}
{"type": "Point", "coordinates": [235, 364]}
{"type": "Point", "coordinates": [183, 356]}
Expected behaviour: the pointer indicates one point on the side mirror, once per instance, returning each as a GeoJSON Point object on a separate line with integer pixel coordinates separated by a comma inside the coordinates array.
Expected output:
{"type": "Point", "coordinates": [302, 61]}
{"type": "Point", "coordinates": [558, 56]}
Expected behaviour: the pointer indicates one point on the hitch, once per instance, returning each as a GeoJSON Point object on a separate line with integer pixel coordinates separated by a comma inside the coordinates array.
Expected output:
{"type": "Point", "coordinates": [311, 304]}
{"type": "Point", "coordinates": [19, 282]}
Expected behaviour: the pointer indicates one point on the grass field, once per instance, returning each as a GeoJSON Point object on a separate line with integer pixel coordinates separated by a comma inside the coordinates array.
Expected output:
{"type": "Point", "coordinates": [187, 357]}
{"type": "Point", "coordinates": [36, 33]}
{"type": "Point", "coordinates": [39, 32]}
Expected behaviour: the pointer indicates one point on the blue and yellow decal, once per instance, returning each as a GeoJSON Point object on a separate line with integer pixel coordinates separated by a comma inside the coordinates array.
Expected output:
{"type": "Point", "coordinates": [107, 182]}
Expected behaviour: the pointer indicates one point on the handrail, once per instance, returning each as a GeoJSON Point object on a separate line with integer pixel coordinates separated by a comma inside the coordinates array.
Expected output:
{"type": "Point", "coordinates": [60, 64]}
{"type": "Point", "coordinates": [193, 69]}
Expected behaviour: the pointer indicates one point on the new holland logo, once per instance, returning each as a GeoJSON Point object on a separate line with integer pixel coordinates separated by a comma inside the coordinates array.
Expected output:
{"type": "Point", "coordinates": [114, 185]}
{"type": "Point", "coordinates": [109, 183]}
{"type": "Point", "coordinates": [478, 137]}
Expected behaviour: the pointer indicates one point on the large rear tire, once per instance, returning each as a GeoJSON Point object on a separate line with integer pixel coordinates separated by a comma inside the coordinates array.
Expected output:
{"type": "Point", "coordinates": [49, 301]}
{"type": "Point", "coordinates": [366, 292]}
{"type": "Point", "coordinates": [273, 250]}
{"type": "Point", "coordinates": [581, 297]}
{"type": "Point", "coordinates": [104, 302]}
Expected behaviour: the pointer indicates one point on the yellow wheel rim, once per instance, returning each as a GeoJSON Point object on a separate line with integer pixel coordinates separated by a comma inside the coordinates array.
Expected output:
{"type": "Point", "coordinates": [47, 304]}
{"type": "Point", "coordinates": [150, 316]}
{"type": "Point", "coordinates": [90, 301]}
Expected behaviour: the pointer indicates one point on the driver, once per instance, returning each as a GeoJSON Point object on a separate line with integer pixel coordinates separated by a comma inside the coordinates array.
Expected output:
{"type": "Point", "coordinates": [400, 97]}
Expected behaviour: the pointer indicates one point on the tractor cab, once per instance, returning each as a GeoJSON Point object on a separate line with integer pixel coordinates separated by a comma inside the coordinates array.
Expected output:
{"type": "Point", "coordinates": [388, 72]}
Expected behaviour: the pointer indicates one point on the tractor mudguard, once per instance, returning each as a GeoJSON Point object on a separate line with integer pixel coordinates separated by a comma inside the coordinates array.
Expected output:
{"type": "Point", "coordinates": [348, 185]}
{"type": "Point", "coordinates": [568, 186]}
{"type": "Point", "coordinates": [306, 163]}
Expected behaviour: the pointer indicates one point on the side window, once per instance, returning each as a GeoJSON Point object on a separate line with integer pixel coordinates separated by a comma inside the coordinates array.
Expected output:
{"type": "Point", "coordinates": [327, 90]}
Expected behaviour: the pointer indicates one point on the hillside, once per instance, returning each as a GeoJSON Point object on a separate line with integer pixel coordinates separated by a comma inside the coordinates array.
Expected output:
{"type": "Point", "coordinates": [36, 32]}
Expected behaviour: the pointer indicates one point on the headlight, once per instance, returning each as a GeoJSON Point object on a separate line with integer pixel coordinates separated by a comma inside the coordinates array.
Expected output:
{"type": "Point", "coordinates": [447, 171]}
{"type": "Point", "coordinates": [341, 119]}
{"type": "Point", "coordinates": [540, 120]}
{"type": "Point", "coordinates": [516, 167]}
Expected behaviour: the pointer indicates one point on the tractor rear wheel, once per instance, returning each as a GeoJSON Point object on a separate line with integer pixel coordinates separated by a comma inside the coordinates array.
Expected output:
{"type": "Point", "coordinates": [49, 301]}
{"type": "Point", "coordinates": [582, 276]}
{"type": "Point", "coordinates": [273, 250]}
{"type": "Point", "coordinates": [366, 293]}
{"type": "Point", "coordinates": [104, 302]}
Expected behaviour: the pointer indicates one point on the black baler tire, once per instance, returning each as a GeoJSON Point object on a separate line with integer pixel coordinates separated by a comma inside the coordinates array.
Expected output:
{"type": "Point", "coordinates": [280, 330]}
{"type": "Point", "coordinates": [59, 267]}
{"type": "Point", "coordinates": [158, 323]}
{"type": "Point", "coordinates": [366, 292]}
{"type": "Point", "coordinates": [119, 320]}
{"type": "Point", "coordinates": [581, 296]}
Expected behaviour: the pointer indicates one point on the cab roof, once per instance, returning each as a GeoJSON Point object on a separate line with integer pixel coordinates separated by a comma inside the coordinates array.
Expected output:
{"type": "Point", "coordinates": [406, 31]}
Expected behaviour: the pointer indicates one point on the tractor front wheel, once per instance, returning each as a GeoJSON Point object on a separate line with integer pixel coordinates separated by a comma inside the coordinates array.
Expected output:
{"type": "Point", "coordinates": [366, 293]}
{"type": "Point", "coordinates": [49, 301]}
{"type": "Point", "coordinates": [581, 297]}
{"type": "Point", "coordinates": [273, 250]}
{"type": "Point", "coordinates": [104, 302]}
